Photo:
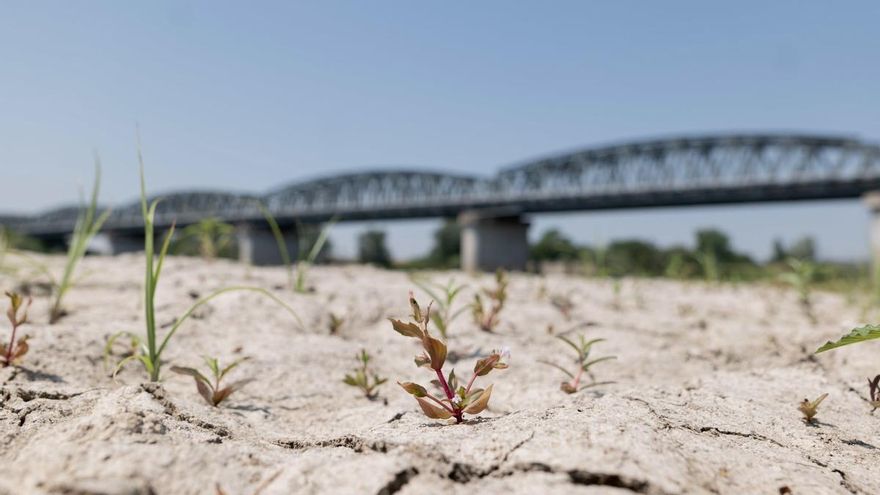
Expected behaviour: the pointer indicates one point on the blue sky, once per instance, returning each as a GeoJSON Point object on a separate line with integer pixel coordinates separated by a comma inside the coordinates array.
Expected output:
{"type": "Point", "coordinates": [251, 95]}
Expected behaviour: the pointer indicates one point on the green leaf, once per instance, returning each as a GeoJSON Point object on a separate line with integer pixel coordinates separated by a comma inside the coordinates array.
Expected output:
{"type": "Point", "coordinates": [587, 365]}
{"type": "Point", "coordinates": [560, 368]}
{"type": "Point", "coordinates": [860, 334]}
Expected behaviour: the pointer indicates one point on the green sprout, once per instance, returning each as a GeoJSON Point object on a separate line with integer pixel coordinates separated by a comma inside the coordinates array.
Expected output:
{"type": "Point", "coordinates": [801, 276]}
{"type": "Point", "coordinates": [457, 400]}
{"type": "Point", "coordinates": [616, 287]}
{"type": "Point", "coordinates": [211, 234]}
{"type": "Point", "coordinates": [487, 318]}
{"type": "Point", "coordinates": [444, 296]}
{"type": "Point", "coordinates": [211, 391]}
{"type": "Point", "coordinates": [88, 223]}
{"type": "Point", "coordinates": [810, 408]}
{"type": "Point", "coordinates": [297, 282]}
{"type": "Point", "coordinates": [149, 349]}
{"type": "Point", "coordinates": [583, 362]}
{"type": "Point", "coordinates": [363, 378]}
{"type": "Point", "coordinates": [305, 262]}
{"type": "Point", "coordinates": [708, 261]}
{"type": "Point", "coordinates": [16, 349]}
{"type": "Point", "coordinates": [336, 323]}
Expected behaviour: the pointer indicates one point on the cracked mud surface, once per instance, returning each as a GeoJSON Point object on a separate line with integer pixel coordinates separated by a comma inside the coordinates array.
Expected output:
{"type": "Point", "coordinates": [707, 379]}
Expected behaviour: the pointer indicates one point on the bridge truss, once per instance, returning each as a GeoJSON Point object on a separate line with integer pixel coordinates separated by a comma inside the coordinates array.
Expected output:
{"type": "Point", "coordinates": [664, 172]}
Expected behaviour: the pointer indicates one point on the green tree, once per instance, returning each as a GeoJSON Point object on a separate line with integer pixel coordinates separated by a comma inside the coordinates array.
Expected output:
{"type": "Point", "coordinates": [634, 257]}
{"type": "Point", "coordinates": [446, 251]}
{"type": "Point", "coordinates": [554, 246]}
{"type": "Point", "coordinates": [372, 249]}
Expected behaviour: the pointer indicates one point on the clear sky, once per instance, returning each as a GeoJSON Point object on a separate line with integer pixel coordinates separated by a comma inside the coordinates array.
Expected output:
{"type": "Point", "coordinates": [252, 95]}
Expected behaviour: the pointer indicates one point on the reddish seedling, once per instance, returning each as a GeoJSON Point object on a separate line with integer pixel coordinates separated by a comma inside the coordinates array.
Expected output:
{"type": "Point", "coordinates": [17, 313]}
{"type": "Point", "coordinates": [457, 399]}
{"type": "Point", "coordinates": [211, 390]}
{"type": "Point", "coordinates": [486, 316]}
{"type": "Point", "coordinates": [874, 392]}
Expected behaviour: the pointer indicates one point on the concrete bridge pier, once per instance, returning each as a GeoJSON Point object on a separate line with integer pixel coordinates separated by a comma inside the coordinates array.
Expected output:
{"type": "Point", "coordinates": [113, 243]}
{"type": "Point", "coordinates": [493, 240]}
{"type": "Point", "coordinates": [872, 201]}
{"type": "Point", "coordinates": [258, 246]}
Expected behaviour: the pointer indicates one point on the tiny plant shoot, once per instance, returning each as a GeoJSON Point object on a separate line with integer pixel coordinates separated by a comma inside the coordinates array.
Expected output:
{"type": "Point", "coordinates": [444, 296]}
{"type": "Point", "coordinates": [810, 408]}
{"type": "Point", "coordinates": [487, 318]}
{"type": "Point", "coordinates": [582, 348]}
{"type": "Point", "coordinates": [88, 223]}
{"type": "Point", "coordinates": [457, 399]}
{"type": "Point", "coordinates": [335, 324]}
{"type": "Point", "coordinates": [212, 235]}
{"type": "Point", "coordinates": [801, 276]}
{"type": "Point", "coordinates": [363, 378]}
{"type": "Point", "coordinates": [211, 390]}
{"type": "Point", "coordinates": [16, 349]}
{"type": "Point", "coordinates": [874, 392]}
{"type": "Point", "coordinates": [149, 350]}
{"type": "Point", "coordinates": [305, 262]}
{"type": "Point", "coordinates": [297, 282]}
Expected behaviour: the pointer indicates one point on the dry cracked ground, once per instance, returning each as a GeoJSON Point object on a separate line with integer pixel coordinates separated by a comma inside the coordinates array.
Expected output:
{"type": "Point", "coordinates": [706, 383]}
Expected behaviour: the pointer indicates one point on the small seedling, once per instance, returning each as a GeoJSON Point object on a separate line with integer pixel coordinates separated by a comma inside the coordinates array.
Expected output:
{"type": "Point", "coordinates": [708, 261]}
{"type": "Point", "coordinates": [616, 289]}
{"type": "Point", "coordinates": [811, 408]}
{"type": "Point", "coordinates": [874, 392]}
{"type": "Point", "coordinates": [297, 282]}
{"type": "Point", "coordinates": [150, 349]}
{"type": "Point", "coordinates": [16, 349]}
{"type": "Point", "coordinates": [583, 362]}
{"type": "Point", "coordinates": [487, 319]}
{"type": "Point", "coordinates": [563, 303]}
{"type": "Point", "coordinates": [445, 315]}
{"type": "Point", "coordinates": [211, 391]}
{"type": "Point", "coordinates": [336, 323]}
{"type": "Point", "coordinates": [363, 378]}
{"type": "Point", "coordinates": [458, 399]}
{"type": "Point", "coordinates": [801, 277]}
{"type": "Point", "coordinates": [211, 234]}
{"type": "Point", "coordinates": [88, 223]}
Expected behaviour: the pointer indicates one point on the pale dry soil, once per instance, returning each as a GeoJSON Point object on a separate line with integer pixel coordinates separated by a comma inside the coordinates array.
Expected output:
{"type": "Point", "coordinates": [707, 379]}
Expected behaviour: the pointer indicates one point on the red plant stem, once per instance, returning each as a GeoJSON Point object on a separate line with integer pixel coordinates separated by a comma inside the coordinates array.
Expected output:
{"type": "Point", "coordinates": [470, 383]}
{"type": "Point", "coordinates": [446, 389]}
{"type": "Point", "coordinates": [449, 395]}
{"type": "Point", "coordinates": [577, 378]}
{"type": "Point", "coordinates": [11, 343]}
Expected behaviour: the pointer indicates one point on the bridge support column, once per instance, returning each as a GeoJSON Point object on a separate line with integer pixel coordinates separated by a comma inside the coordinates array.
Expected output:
{"type": "Point", "coordinates": [258, 246]}
{"type": "Point", "coordinates": [490, 242]}
{"type": "Point", "coordinates": [113, 243]}
{"type": "Point", "coordinates": [872, 200]}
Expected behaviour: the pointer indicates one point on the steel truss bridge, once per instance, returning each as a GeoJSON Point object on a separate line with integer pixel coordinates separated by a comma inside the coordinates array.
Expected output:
{"type": "Point", "coordinates": [690, 170]}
